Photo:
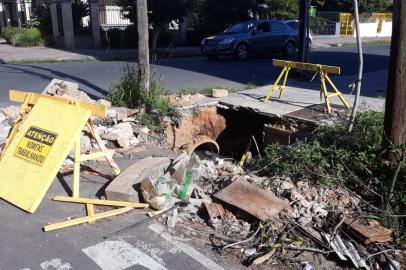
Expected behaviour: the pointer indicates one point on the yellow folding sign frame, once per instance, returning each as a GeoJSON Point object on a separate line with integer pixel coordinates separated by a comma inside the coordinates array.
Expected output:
{"type": "Point", "coordinates": [323, 70]}
{"type": "Point", "coordinates": [47, 129]}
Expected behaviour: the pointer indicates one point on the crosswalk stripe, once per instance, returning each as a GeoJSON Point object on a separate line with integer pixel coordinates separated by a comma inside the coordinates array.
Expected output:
{"type": "Point", "coordinates": [193, 253]}
{"type": "Point", "coordinates": [118, 255]}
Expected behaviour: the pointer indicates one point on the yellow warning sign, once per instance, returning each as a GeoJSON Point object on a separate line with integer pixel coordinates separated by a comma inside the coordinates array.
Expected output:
{"type": "Point", "coordinates": [34, 156]}
{"type": "Point", "coordinates": [35, 146]}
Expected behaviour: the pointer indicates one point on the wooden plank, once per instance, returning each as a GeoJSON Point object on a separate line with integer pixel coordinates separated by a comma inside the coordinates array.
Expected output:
{"type": "Point", "coordinates": [307, 66]}
{"type": "Point", "coordinates": [100, 202]}
{"type": "Point", "coordinates": [32, 160]}
{"type": "Point", "coordinates": [259, 203]}
{"type": "Point", "coordinates": [90, 212]}
{"type": "Point", "coordinates": [19, 96]}
{"type": "Point", "coordinates": [77, 221]}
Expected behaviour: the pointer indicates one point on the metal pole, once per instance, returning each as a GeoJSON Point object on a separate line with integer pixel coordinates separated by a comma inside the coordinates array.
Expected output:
{"type": "Point", "coordinates": [360, 67]}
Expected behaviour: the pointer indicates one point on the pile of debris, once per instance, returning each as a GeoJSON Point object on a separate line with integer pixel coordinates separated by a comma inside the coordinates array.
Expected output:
{"type": "Point", "coordinates": [120, 130]}
{"type": "Point", "coordinates": [202, 195]}
{"type": "Point", "coordinates": [279, 221]}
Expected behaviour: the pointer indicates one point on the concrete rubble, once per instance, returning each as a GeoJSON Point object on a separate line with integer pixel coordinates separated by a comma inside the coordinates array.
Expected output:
{"type": "Point", "coordinates": [220, 200]}
{"type": "Point", "coordinates": [219, 93]}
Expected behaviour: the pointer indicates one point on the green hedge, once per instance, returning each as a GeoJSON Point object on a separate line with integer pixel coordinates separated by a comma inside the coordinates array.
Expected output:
{"type": "Point", "coordinates": [9, 32]}
{"type": "Point", "coordinates": [23, 37]}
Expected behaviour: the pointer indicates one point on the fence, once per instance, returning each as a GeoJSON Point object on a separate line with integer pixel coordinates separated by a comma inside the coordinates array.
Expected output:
{"type": "Point", "coordinates": [336, 23]}
{"type": "Point", "coordinates": [324, 23]}
{"type": "Point", "coordinates": [111, 15]}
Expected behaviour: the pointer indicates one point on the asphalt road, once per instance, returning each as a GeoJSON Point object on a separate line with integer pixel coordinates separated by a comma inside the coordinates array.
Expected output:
{"type": "Point", "coordinates": [83, 247]}
{"type": "Point", "coordinates": [26, 246]}
{"type": "Point", "coordinates": [97, 77]}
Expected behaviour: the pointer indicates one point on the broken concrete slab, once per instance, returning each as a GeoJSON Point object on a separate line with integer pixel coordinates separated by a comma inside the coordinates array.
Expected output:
{"type": "Point", "coordinates": [294, 99]}
{"type": "Point", "coordinates": [219, 93]}
{"type": "Point", "coordinates": [151, 151]}
{"type": "Point", "coordinates": [2, 117]}
{"type": "Point", "coordinates": [11, 112]}
{"type": "Point", "coordinates": [121, 133]}
{"type": "Point", "coordinates": [126, 186]}
{"type": "Point", "coordinates": [192, 101]}
{"type": "Point", "coordinates": [66, 89]}
{"type": "Point", "coordinates": [104, 102]}
{"type": "Point", "coordinates": [257, 202]}
{"type": "Point", "coordinates": [4, 131]}
{"type": "Point", "coordinates": [178, 167]}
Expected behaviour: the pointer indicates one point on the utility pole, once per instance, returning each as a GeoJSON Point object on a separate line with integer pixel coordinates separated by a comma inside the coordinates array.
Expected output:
{"type": "Point", "coordinates": [143, 48]}
{"type": "Point", "coordinates": [360, 67]}
{"type": "Point", "coordinates": [395, 107]}
{"type": "Point", "coordinates": [303, 50]}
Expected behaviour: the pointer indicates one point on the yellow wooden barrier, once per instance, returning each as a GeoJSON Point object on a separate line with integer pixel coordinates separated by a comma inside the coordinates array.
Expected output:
{"type": "Point", "coordinates": [323, 70]}
{"type": "Point", "coordinates": [44, 133]}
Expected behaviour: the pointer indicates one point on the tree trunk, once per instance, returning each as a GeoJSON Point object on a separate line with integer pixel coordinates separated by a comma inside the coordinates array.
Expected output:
{"type": "Point", "coordinates": [395, 108]}
{"type": "Point", "coordinates": [143, 49]}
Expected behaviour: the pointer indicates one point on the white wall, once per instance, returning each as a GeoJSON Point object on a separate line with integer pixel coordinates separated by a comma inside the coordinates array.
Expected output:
{"type": "Point", "coordinates": [386, 30]}
{"type": "Point", "coordinates": [371, 29]}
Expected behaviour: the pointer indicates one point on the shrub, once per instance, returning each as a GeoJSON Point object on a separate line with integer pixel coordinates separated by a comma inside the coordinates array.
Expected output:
{"type": "Point", "coordinates": [10, 32]}
{"type": "Point", "coordinates": [127, 93]}
{"type": "Point", "coordinates": [332, 151]}
{"type": "Point", "coordinates": [356, 160]}
{"type": "Point", "coordinates": [30, 37]}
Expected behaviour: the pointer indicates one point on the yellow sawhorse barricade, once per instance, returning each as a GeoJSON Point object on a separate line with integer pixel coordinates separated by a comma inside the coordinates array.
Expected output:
{"type": "Point", "coordinates": [323, 70]}
{"type": "Point", "coordinates": [42, 137]}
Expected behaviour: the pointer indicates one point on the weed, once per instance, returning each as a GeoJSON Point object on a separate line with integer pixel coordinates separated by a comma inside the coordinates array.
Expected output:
{"type": "Point", "coordinates": [127, 93]}
{"type": "Point", "coordinates": [334, 156]}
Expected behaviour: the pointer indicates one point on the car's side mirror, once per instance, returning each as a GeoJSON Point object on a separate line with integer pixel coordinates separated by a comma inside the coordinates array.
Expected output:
{"type": "Point", "coordinates": [254, 32]}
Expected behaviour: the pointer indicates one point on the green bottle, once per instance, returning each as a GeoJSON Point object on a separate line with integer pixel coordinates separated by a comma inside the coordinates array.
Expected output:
{"type": "Point", "coordinates": [187, 178]}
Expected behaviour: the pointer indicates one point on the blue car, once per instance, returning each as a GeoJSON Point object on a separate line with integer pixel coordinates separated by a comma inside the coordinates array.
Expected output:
{"type": "Point", "coordinates": [252, 37]}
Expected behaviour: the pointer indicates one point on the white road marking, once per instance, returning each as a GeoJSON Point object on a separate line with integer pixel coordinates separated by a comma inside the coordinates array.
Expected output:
{"type": "Point", "coordinates": [55, 264]}
{"type": "Point", "coordinates": [118, 255]}
{"type": "Point", "coordinates": [196, 255]}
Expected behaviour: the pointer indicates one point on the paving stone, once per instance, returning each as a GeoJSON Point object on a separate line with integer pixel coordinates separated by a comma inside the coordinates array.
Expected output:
{"type": "Point", "coordinates": [126, 186]}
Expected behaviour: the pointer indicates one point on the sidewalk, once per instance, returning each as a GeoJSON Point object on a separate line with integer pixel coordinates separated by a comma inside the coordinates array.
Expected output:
{"type": "Point", "coordinates": [12, 54]}
{"type": "Point", "coordinates": [325, 42]}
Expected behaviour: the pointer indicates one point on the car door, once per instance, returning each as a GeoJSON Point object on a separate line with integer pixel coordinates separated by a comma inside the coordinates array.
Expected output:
{"type": "Point", "coordinates": [260, 37]}
{"type": "Point", "coordinates": [277, 37]}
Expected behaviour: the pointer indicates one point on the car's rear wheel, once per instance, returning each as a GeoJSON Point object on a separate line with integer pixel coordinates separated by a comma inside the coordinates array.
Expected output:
{"type": "Point", "coordinates": [213, 56]}
{"type": "Point", "coordinates": [241, 51]}
{"type": "Point", "coordinates": [290, 49]}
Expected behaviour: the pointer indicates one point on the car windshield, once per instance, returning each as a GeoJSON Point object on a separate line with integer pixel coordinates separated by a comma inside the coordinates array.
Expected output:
{"type": "Point", "coordinates": [240, 28]}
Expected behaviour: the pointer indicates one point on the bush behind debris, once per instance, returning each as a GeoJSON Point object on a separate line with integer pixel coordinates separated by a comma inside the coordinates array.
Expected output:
{"type": "Point", "coordinates": [126, 92]}
{"type": "Point", "coordinates": [334, 156]}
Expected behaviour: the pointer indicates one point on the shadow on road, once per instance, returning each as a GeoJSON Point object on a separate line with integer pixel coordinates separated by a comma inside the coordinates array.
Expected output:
{"type": "Point", "coordinates": [29, 70]}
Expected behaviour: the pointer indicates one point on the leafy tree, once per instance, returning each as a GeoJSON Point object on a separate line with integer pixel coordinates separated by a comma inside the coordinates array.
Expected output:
{"type": "Point", "coordinates": [346, 5]}
{"type": "Point", "coordinates": [79, 10]}
{"type": "Point", "coordinates": [161, 14]}
{"type": "Point", "coordinates": [214, 16]}
{"type": "Point", "coordinates": [43, 16]}
{"type": "Point", "coordinates": [286, 9]}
